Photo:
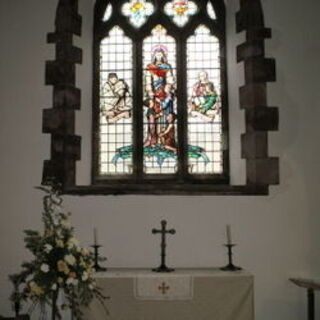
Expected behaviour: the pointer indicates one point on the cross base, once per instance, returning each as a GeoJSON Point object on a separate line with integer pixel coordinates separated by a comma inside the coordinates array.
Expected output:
{"type": "Point", "coordinates": [230, 267]}
{"type": "Point", "coordinates": [99, 269]}
{"type": "Point", "coordinates": [163, 269]}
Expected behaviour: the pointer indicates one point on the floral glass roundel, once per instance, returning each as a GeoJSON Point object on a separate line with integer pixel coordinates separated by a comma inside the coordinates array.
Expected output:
{"type": "Point", "coordinates": [137, 11]}
{"type": "Point", "coordinates": [180, 11]}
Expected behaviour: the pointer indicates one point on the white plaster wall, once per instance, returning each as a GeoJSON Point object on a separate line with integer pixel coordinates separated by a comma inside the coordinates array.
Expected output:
{"type": "Point", "coordinates": [278, 235]}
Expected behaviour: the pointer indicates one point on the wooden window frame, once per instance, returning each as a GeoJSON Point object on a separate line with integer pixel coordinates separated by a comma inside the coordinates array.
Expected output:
{"type": "Point", "coordinates": [261, 170]}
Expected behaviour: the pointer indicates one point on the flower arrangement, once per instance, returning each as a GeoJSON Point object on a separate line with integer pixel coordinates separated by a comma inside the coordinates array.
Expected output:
{"type": "Point", "coordinates": [60, 265]}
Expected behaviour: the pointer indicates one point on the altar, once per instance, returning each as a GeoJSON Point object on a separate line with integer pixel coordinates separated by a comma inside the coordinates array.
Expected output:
{"type": "Point", "coordinates": [186, 294]}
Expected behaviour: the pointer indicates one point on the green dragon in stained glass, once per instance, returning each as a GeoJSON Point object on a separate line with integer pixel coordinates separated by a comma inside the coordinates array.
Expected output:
{"type": "Point", "coordinates": [160, 153]}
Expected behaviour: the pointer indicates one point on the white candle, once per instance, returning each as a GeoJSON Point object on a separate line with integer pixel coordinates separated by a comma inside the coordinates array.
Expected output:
{"type": "Point", "coordinates": [95, 236]}
{"type": "Point", "coordinates": [229, 239]}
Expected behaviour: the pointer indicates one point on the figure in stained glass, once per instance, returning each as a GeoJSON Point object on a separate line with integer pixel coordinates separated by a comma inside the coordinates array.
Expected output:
{"type": "Point", "coordinates": [205, 102]}
{"type": "Point", "coordinates": [167, 135]}
{"type": "Point", "coordinates": [116, 102]}
{"type": "Point", "coordinates": [159, 81]}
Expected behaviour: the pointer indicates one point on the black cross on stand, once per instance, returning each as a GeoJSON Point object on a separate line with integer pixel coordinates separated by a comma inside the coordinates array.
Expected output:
{"type": "Point", "coordinates": [164, 232]}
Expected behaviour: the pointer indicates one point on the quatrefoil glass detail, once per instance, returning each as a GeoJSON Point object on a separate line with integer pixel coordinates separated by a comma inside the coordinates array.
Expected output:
{"type": "Point", "coordinates": [180, 11]}
{"type": "Point", "coordinates": [137, 11]}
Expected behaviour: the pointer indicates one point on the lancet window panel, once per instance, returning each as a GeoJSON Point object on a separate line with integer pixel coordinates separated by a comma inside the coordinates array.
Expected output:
{"type": "Point", "coordinates": [204, 103]}
{"type": "Point", "coordinates": [160, 102]}
{"type": "Point", "coordinates": [115, 106]}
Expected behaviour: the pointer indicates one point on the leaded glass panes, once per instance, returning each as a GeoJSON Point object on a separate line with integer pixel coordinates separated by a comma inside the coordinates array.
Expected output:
{"type": "Point", "coordinates": [160, 134]}
{"type": "Point", "coordinates": [115, 103]}
{"type": "Point", "coordinates": [107, 13]}
{"type": "Point", "coordinates": [210, 11]}
{"type": "Point", "coordinates": [180, 11]}
{"type": "Point", "coordinates": [137, 11]}
{"type": "Point", "coordinates": [204, 103]}
{"type": "Point", "coordinates": [160, 98]}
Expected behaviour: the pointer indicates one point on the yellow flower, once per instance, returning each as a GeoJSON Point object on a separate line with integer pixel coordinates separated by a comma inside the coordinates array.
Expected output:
{"type": "Point", "coordinates": [82, 263]}
{"type": "Point", "coordinates": [90, 270]}
{"type": "Point", "coordinates": [63, 267]}
{"type": "Point", "coordinates": [37, 290]}
{"type": "Point", "coordinates": [59, 243]}
{"type": "Point", "coordinates": [64, 307]}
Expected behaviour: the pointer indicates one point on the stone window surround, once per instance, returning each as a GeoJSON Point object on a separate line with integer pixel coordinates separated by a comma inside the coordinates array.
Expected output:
{"type": "Point", "coordinates": [59, 121]}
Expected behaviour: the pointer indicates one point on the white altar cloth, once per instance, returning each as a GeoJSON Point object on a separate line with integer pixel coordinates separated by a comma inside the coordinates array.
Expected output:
{"type": "Point", "coordinates": [186, 294]}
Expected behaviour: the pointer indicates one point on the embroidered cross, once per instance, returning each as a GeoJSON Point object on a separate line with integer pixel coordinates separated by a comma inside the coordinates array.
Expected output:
{"type": "Point", "coordinates": [164, 288]}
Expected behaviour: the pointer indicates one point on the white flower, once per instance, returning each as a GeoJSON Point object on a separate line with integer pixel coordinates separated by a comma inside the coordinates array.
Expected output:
{"type": "Point", "coordinates": [73, 242]}
{"type": "Point", "coordinates": [85, 252]}
{"type": "Point", "coordinates": [48, 247]}
{"type": "Point", "coordinates": [56, 221]}
{"type": "Point", "coordinates": [29, 278]}
{"type": "Point", "coordinates": [72, 281]}
{"type": "Point", "coordinates": [54, 287]}
{"type": "Point", "coordinates": [65, 223]}
{"type": "Point", "coordinates": [85, 276]}
{"type": "Point", "coordinates": [70, 259]}
{"type": "Point", "coordinates": [44, 268]}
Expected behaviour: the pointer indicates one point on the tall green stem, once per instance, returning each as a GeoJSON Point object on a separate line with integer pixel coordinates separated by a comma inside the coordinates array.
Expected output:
{"type": "Point", "coordinates": [54, 304]}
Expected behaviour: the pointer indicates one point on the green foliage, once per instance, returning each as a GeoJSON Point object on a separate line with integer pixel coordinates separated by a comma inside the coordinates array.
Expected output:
{"type": "Point", "coordinates": [59, 265]}
{"type": "Point", "coordinates": [160, 153]}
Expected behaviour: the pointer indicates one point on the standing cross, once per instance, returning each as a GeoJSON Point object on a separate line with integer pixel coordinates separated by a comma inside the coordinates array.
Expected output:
{"type": "Point", "coordinates": [163, 288]}
{"type": "Point", "coordinates": [163, 231]}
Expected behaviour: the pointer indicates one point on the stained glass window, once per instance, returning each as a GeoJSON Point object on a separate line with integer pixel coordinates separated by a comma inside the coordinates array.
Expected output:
{"type": "Point", "coordinates": [160, 136]}
{"type": "Point", "coordinates": [180, 11]}
{"type": "Point", "coordinates": [137, 11]}
{"type": "Point", "coordinates": [115, 102]}
{"type": "Point", "coordinates": [161, 95]}
{"type": "Point", "coordinates": [210, 11]}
